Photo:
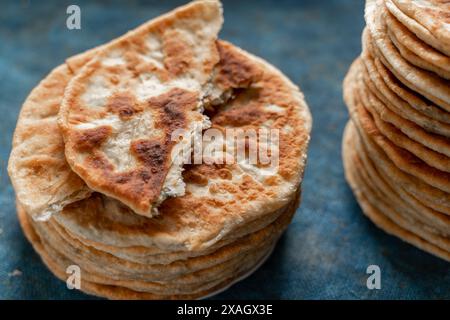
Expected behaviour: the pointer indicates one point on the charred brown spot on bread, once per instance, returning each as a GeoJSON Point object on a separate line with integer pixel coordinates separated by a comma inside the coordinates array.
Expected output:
{"type": "Point", "coordinates": [199, 174]}
{"type": "Point", "coordinates": [151, 153]}
{"type": "Point", "coordinates": [238, 116]}
{"type": "Point", "coordinates": [90, 139]}
{"type": "Point", "coordinates": [172, 107]}
{"type": "Point", "coordinates": [178, 55]}
{"type": "Point", "coordinates": [235, 70]}
{"type": "Point", "coordinates": [190, 176]}
{"type": "Point", "coordinates": [99, 162]}
{"type": "Point", "coordinates": [140, 185]}
{"type": "Point", "coordinates": [123, 104]}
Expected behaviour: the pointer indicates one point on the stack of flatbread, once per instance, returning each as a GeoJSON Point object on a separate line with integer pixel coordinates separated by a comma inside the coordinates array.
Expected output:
{"type": "Point", "coordinates": [101, 183]}
{"type": "Point", "coordinates": [396, 148]}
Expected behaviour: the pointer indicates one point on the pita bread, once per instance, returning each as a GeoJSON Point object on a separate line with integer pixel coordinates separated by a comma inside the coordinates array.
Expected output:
{"type": "Point", "coordinates": [396, 148]}
{"type": "Point", "coordinates": [416, 51]}
{"type": "Point", "coordinates": [399, 213]}
{"type": "Point", "coordinates": [231, 214]}
{"type": "Point", "coordinates": [196, 281]}
{"type": "Point", "coordinates": [429, 85]}
{"type": "Point", "coordinates": [417, 108]}
{"type": "Point", "coordinates": [404, 12]}
{"type": "Point", "coordinates": [432, 14]}
{"type": "Point", "coordinates": [388, 113]}
{"type": "Point", "coordinates": [371, 208]}
{"type": "Point", "coordinates": [432, 196]}
{"type": "Point", "coordinates": [226, 197]}
{"type": "Point", "coordinates": [41, 177]}
{"type": "Point", "coordinates": [58, 267]}
{"type": "Point", "coordinates": [402, 158]}
{"type": "Point", "coordinates": [437, 159]}
{"type": "Point", "coordinates": [429, 217]}
{"type": "Point", "coordinates": [120, 113]}
{"type": "Point", "coordinates": [119, 268]}
{"type": "Point", "coordinates": [188, 284]}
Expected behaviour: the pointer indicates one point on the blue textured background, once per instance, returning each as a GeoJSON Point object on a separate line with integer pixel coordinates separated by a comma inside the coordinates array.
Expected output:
{"type": "Point", "coordinates": [326, 250]}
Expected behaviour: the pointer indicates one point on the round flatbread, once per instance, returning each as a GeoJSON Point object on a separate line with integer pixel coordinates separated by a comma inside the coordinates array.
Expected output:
{"type": "Point", "coordinates": [220, 199]}
{"type": "Point", "coordinates": [121, 113]}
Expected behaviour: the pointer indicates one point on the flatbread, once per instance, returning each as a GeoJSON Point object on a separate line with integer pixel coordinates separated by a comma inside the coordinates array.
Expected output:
{"type": "Point", "coordinates": [432, 117]}
{"type": "Point", "coordinates": [58, 268]}
{"type": "Point", "coordinates": [402, 158]}
{"type": "Point", "coordinates": [118, 268]}
{"type": "Point", "coordinates": [416, 51]}
{"type": "Point", "coordinates": [388, 113]}
{"type": "Point", "coordinates": [394, 207]}
{"type": "Point", "coordinates": [42, 179]}
{"type": "Point", "coordinates": [429, 85]}
{"type": "Point", "coordinates": [409, 18]}
{"type": "Point", "coordinates": [220, 199]}
{"type": "Point", "coordinates": [430, 218]}
{"type": "Point", "coordinates": [393, 165]}
{"type": "Point", "coordinates": [434, 156]}
{"type": "Point", "coordinates": [371, 208]}
{"type": "Point", "coordinates": [120, 115]}
{"type": "Point", "coordinates": [434, 15]}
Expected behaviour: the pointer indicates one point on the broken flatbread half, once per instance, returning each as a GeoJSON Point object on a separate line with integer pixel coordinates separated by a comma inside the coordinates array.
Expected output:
{"type": "Point", "coordinates": [128, 118]}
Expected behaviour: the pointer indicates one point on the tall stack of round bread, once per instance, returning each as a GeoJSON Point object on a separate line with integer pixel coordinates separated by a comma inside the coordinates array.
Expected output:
{"type": "Point", "coordinates": [98, 182]}
{"type": "Point", "coordinates": [396, 147]}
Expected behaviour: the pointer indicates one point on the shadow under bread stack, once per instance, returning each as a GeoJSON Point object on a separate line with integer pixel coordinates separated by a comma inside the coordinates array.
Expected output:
{"type": "Point", "coordinates": [396, 147]}
{"type": "Point", "coordinates": [101, 184]}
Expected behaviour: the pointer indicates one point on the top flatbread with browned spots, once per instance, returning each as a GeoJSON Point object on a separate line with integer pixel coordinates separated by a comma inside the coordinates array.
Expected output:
{"type": "Point", "coordinates": [120, 112]}
{"type": "Point", "coordinates": [221, 200]}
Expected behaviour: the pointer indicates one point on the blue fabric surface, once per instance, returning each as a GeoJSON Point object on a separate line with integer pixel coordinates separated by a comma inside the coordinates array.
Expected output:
{"type": "Point", "coordinates": [325, 252]}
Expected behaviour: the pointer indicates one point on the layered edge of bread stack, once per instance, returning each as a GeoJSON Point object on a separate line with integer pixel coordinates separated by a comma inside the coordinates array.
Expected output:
{"type": "Point", "coordinates": [396, 146]}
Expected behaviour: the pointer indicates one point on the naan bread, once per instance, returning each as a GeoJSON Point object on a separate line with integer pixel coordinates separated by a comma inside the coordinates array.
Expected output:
{"type": "Point", "coordinates": [120, 114]}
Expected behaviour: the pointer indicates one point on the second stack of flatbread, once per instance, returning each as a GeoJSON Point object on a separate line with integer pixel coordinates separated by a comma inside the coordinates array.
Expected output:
{"type": "Point", "coordinates": [396, 148]}
{"type": "Point", "coordinates": [96, 175]}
